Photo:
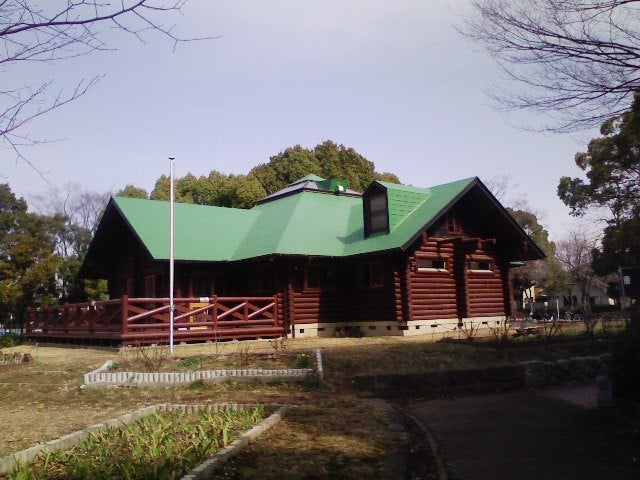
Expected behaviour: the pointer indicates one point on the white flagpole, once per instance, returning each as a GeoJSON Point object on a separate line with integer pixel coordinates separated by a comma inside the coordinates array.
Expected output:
{"type": "Point", "coordinates": [171, 256]}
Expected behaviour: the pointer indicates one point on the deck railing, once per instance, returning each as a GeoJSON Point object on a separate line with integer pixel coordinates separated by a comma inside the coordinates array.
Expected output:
{"type": "Point", "coordinates": [147, 320]}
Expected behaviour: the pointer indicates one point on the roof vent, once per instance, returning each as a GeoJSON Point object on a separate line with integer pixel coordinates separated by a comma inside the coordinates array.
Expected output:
{"type": "Point", "coordinates": [335, 185]}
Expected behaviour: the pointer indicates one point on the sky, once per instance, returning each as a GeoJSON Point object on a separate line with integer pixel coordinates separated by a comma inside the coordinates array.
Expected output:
{"type": "Point", "coordinates": [393, 80]}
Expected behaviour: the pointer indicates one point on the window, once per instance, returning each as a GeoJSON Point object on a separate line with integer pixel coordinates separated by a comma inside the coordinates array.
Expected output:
{"type": "Point", "coordinates": [128, 287]}
{"type": "Point", "coordinates": [319, 277]}
{"type": "Point", "coordinates": [150, 284]}
{"type": "Point", "coordinates": [480, 265]}
{"type": "Point", "coordinates": [424, 264]}
{"type": "Point", "coordinates": [201, 286]}
{"type": "Point", "coordinates": [376, 211]}
{"type": "Point", "coordinates": [260, 279]}
{"type": "Point", "coordinates": [372, 275]}
{"type": "Point", "coordinates": [453, 226]}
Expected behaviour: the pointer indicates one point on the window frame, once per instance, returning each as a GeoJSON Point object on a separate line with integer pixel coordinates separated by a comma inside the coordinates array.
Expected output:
{"type": "Point", "coordinates": [442, 269]}
{"type": "Point", "coordinates": [129, 287]}
{"type": "Point", "coordinates": [321, 269]}
{"type": "Point", "coordinates": [259, 274]}
{"type": "Point", "coordinates": [477, 261]}
{"type": "Point", "coordinates": [373, 193]}
{"type": "Point", "coordinates": [153, 278]}
{"type": "Point", "coordinates": [370, 269]}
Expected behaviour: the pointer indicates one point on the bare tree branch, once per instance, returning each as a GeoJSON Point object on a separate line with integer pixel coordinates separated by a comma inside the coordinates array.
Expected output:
{"type": "Point", "coordinates": [577, 60]}
{"type": "Point", "coordinates": [56, 30]}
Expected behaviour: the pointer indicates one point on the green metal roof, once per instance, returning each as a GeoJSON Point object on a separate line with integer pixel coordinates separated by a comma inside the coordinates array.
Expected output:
{"type": "Point", "coordinates": [306, 223]}
{"type": "Point", "coordinates": [311, 176]}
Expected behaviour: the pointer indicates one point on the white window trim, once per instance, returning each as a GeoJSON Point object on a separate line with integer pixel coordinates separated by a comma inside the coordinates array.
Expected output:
{"type": "Point", "coordinates": [432, 269]}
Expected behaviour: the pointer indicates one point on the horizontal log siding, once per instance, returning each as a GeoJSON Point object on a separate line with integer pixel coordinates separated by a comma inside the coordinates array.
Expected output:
{"type": "Point", "coordinates": [376, 303]}
{"type": "Point", "coordinates": [401, 294]}
{"type": "Point", "coordinates": [486, 290]}
{"type": "Point", "coordinates": [433, 294]}
{"type": "Point", "coordinates": [312, 305]}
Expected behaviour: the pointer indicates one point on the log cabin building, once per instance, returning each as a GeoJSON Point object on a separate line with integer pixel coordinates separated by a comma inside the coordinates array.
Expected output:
{"type": "Point", "coordinates": [394, 260]}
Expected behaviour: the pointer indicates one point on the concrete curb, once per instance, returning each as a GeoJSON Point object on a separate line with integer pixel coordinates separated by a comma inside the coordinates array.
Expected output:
{"type": "Point", "coordinates": [205, 469]}
{"type": "Point", "coordinates": [103, 368]}
{"type": "Point", "coordinates": [28, 455]}
{"type": "Point", "coordinates": [441, 469]}
{"type": "Point", "coordinates": [25, 456]}
{"type": "Point", "coordinates": [99, 378]}
{"type": "Point", "coordinates": [319, 366]}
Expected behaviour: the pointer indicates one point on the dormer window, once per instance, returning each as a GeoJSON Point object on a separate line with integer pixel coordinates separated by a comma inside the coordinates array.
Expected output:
{"type": "Point", "coordinates": [376, 210]}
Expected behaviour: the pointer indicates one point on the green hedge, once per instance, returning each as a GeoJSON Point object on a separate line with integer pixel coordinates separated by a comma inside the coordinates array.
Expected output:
{"type": "Point", "coordinates": [10, 340]}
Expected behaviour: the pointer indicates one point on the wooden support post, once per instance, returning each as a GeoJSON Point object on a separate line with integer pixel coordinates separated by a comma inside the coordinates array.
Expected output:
{"type": "Point", "coordinates": [215, 314]}
{"type": "Point", "coordinates": [125, 314]}
{"type": "Point", "coordinates": [275, 311]}
{"type": "Point", "coordinates": [65, 318]}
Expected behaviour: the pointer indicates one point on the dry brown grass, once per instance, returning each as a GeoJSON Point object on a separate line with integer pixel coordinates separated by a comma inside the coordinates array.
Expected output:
{"type": "Point", "coordinates": [328, 433]}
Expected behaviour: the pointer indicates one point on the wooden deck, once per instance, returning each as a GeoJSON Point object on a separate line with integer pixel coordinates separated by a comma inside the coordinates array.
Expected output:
{"type": "Point", "coordinates": [144, 321]}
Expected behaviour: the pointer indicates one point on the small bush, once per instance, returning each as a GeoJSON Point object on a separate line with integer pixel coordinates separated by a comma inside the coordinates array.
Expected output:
{"type": "Point", "coordinates": [197, 385]}
{"type": "Point", "coordinates": [625, 361]}
{"type": "Point", "coordinates": [191, 363]}
{"type": "Point", "coordinates": [11, 340]}
{"type": "Point", "coordinates": [150, 357]}
{"type": "Point", "coordinates": [302, 361]}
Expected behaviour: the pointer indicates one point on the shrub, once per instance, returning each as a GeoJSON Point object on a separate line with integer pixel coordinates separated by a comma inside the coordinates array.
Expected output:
{"type": "Point", "coordinates": [191, 363]}
{"type": "Point", "coordinates": [10, 340]}
{"type": "Point", "coordinates": [302, 361]}
{"type": "Point", "coordinates": [625, 361]}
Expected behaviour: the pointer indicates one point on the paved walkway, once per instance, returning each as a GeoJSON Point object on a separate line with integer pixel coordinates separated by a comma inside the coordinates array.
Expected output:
{"type": "Point", "coordinates": [555, 434]}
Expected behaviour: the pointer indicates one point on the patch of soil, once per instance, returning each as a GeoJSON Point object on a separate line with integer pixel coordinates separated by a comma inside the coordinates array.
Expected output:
{"type": "Point", "coordinates": [132, 361]}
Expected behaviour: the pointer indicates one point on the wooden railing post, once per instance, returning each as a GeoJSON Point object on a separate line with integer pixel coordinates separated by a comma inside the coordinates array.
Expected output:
{"type": "Point", "coordinates": [125, 314]}
{"type": "Point", "coordinates": [276, 320]}
{"type": "Point", "coordinates": [245, 310]}
{"type": "Point", "coordinates": [65, 318]}
{"type": "Point", "coordinates": [215, 314]}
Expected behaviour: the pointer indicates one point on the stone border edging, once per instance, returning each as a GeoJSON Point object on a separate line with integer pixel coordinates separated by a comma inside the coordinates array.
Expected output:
{"type": "Point", "coordinates": [205, 470]}
{"type": "Point", "coordinates": [99, 378]}
{"type": "Point", "coordinates": [541, 374]}
{"type": "Point", "coordinates": [104, 367]}
{"type": "Point", "coordinates": [319, 367]}
{"type": "Point", "coordinates": [532, 374]}
{"type": "Point", "coordinates": [67, 441]}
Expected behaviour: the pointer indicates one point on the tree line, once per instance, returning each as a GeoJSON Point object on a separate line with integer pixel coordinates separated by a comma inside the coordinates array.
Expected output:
{"type": "Point", "coordinates": [327, 160]}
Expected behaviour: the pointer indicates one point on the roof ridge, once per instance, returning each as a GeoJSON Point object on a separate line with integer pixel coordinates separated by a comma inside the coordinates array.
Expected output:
{"type": "Point", "coordinates": [117, 198]}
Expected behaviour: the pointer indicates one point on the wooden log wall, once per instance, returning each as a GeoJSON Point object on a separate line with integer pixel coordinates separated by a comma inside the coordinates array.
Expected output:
{"type": "Point", "coordinates": [373, 303]}
{"type": "Point", "coordinates": [433, 293]}
{"type": "Point", "coordinates": [313, 305]}
{"type": "Point", "coordinates": [486, 289]}
{"type": "Point", "coordinates": [136, 266]}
